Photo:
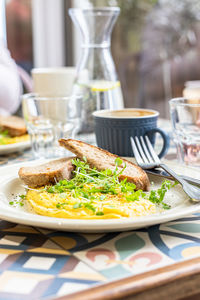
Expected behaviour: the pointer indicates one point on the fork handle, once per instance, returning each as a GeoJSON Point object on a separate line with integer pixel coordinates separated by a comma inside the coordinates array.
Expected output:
{"type": "Point", "coordinates": [163, 173]}
{"type": "Point", "coordinates": [172, 173]}
{"type": "Point", "coordinates": [192, 191]}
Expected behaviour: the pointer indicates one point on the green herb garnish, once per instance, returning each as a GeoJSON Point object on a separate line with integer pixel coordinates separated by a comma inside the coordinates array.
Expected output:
{"type": "Point", "coordinates": [15, 202]}
{"type": "Point", "coordinates": [3, 135]}
{"type": "Point", "coordinates": [157, 196]}
{"type": "Point", "coordinates": [99, 213]}
{"type": "Point", "coordinates": [90, 206]}
{"type": "Point", "coordinates": [77, 205]}
{"type": "Point", "coordinates": [89, 185]}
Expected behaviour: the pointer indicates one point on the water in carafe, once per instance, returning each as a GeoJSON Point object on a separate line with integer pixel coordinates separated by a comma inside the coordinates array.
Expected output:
{"type": "Point", "coordinates": [96, 78]}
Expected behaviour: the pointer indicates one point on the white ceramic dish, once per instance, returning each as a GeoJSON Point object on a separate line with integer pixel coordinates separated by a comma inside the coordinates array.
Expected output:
{"type": "Point", "coordinates": [11, 186]}
{"type": "Point", "coordinates": [16, 147]}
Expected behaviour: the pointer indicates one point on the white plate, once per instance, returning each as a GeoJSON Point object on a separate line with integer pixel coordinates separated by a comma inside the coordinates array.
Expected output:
{"type": "Point", "coordinates": [16, 147]}
{"type": "Point", "coordinates": [11, 186]}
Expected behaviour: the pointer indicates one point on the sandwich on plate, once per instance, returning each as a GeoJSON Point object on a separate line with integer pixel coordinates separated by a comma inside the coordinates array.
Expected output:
{"type": "Point", "coordinates": [12, 130]}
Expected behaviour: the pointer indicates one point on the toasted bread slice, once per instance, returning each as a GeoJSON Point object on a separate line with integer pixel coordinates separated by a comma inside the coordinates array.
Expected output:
{"type": "Point", "coordinates": [102, 160]}
{"type": "Point", "coordinates": [14, 125]}
{"type": "Point", "coordinates": [48, 173]}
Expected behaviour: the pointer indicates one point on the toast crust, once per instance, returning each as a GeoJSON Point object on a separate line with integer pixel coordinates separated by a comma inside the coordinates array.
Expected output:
{"type": "Point", "coordinates": [102, 159]}
{"type": "Point", "coordinates": [48, 173]}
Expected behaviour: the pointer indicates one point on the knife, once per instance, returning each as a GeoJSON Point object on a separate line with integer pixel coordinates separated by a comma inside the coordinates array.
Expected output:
{"type": "Point", "coordinates": [162, 173]}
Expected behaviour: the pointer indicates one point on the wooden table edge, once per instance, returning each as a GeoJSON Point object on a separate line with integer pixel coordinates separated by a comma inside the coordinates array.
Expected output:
{"type": "Point", "coordinates": [177, 281]}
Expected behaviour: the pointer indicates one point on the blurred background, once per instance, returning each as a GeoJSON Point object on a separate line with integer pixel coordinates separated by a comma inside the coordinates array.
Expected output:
{"type": "Point", "coordinates": [155, 43]}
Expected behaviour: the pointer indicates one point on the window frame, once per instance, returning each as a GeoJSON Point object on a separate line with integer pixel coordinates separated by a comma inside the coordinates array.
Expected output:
{"type": "Point", "coordinates": [3, 32]}
{"type": "Point", "coordinates": [49, 45]}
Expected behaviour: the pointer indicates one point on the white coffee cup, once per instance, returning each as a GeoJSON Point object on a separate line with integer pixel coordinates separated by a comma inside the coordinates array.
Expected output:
{"type": "Point", "coordinates": [53, 82]}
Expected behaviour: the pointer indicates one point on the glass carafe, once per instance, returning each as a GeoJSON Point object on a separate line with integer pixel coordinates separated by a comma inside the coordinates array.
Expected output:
{"type": "Point", "coordinates": [96, 78]}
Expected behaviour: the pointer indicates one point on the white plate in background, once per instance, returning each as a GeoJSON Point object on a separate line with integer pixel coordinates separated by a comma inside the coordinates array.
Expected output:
{"type": "Point", "coordinates": [16, 147]}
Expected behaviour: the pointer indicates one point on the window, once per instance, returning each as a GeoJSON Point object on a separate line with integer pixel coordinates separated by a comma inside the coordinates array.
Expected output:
{"type": "Point", "coordinates": [155, 46]}
{"type": "Point", "coordinates": [19, 32]}
{"type": "Point", "coordinates": [155, 43]}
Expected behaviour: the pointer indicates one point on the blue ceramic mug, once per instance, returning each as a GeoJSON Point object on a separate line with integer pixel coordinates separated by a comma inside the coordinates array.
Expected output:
{"type": "Point", "coordinates": [113, 129]}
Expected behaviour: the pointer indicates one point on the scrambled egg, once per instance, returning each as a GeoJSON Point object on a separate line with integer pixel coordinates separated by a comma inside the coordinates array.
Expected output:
{"type": "Point", "coordinates": [94, 194]}
{"type": "Point", "coordinates": [106, 206]}
{"type": "Point", "coordinates": [6, 140]}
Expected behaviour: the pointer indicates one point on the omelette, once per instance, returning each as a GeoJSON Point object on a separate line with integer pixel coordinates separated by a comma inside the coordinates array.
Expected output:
{"type": "Point", "coordinates": [109, 206]}
{"type": "Point", "coordinates": [93, 194]}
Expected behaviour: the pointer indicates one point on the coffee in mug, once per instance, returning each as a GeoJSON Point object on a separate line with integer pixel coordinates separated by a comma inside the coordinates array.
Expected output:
{"type": "Point", "coordinates": [113, 129]}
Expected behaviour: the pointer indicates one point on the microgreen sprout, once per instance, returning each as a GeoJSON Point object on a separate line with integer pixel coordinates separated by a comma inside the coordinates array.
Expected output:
{"type": "Point", "coordinates": [18, 200]}
{"type": "Point", "coordinates": [3, 135]}
{"type": "Point", "coordinates": [90, 186]}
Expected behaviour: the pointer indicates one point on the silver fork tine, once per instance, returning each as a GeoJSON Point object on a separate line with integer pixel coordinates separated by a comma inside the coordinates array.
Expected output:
{"type": "Point", "coordinates": [146, 151]}
{"type": "Point", "coordinates": [135, 151]}
{"type": "Point", "coordinates": [141, 150]}
{"type": "Point", "coordinates": [153, 154]}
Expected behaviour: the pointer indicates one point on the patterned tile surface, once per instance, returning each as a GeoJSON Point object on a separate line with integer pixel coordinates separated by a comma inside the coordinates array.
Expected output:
{"type": "Point", "coordinates": [41, 264]}
{"type": "Point", "coordinates": [32, 266]}
{"type": "Point", "coordinates": [117, 255]}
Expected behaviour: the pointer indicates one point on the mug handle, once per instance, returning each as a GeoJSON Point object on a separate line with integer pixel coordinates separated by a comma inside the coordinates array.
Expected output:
{"type": "Point", "coordinates": [166, 140]}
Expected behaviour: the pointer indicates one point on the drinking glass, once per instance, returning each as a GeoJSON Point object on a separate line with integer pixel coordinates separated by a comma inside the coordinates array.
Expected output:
{"type": "Point", "coordinates": [53, 82]}
{"type": "Point", "coordinates": [48, 119]}
{"type": "Point", "coordinates": [185, 118]}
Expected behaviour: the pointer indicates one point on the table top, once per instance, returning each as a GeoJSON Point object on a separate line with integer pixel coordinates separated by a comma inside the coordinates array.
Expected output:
{"type": "Point", "coordinates": [37, 263]}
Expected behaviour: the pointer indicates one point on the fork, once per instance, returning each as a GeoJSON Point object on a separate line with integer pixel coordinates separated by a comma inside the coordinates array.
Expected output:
{"type": "Point", "coordinates": [146, 158]}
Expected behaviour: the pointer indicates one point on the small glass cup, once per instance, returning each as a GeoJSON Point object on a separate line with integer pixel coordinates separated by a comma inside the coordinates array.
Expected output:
{"type": "Point", "coordinates": [185, 118]}
{"type": "Point", "coordinates": [48, 119]}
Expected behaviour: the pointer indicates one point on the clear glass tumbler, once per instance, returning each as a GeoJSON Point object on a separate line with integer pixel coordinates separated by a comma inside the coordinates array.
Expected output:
{"type": "Point", "coordinates": [185, 118]}
{"type": "Point", "coordinates": [48, 119]}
